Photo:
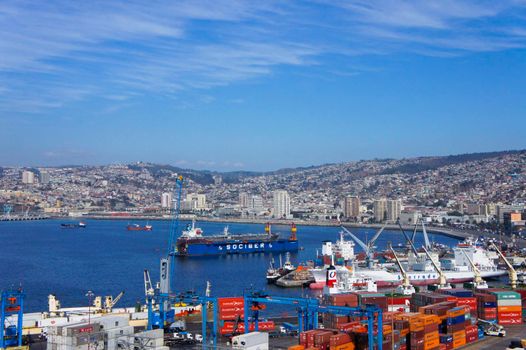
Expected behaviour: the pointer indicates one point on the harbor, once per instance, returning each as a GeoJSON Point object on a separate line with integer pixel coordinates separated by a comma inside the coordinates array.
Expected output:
{"type": "Point", "coordinates": [166, 314]}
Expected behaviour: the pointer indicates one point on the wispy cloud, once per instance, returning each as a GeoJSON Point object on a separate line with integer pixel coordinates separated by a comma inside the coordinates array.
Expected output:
{"type": "Point", "coordinates": [57, 52]}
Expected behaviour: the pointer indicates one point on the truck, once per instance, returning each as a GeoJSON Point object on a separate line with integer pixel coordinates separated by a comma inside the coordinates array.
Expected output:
{"type": "Point", "coordinates": [289, 329]}
{"type": "Point", "coordinates": [491, 328]}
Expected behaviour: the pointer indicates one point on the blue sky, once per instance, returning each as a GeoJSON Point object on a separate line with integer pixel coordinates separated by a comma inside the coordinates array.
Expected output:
{"type": "Point", "coordinates": [232, 85]}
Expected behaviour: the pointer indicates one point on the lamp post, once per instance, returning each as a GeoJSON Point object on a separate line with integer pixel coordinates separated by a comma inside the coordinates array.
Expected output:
{"type": "Point", "coordinates": [89, 295]}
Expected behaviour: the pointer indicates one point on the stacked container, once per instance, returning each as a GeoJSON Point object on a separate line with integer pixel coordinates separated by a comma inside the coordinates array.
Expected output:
{"type": "Point", "coordinates": [486, 306]}
{"type": "Point", "coordinates": [509, 307]}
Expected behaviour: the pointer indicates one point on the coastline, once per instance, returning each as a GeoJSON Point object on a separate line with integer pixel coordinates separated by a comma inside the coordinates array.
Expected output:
{"type": "Point", "coordinates": [431, 229]}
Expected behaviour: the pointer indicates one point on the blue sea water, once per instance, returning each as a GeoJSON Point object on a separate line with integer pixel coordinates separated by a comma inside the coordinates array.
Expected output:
{"type": "Point", "coordinates": [104, 257]}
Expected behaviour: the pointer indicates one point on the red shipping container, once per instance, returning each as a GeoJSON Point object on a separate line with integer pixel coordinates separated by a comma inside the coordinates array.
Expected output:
{"type": "Point", "coordinates": [304, 337]}
{"type": "Point", "coordinates": [228, 316]}
{"type": "Point", "coordinates": [228, 327]}
{"type": "Point", "coordinates": [322, 338]}
{"type": "Point", "coordinates": [230, 302]}
{"type": "Point", "coordinates": [339, 339]}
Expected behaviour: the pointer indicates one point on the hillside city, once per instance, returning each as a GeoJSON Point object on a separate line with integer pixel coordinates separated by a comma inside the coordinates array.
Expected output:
{"type": "Point", "coordinates": [482, 189]}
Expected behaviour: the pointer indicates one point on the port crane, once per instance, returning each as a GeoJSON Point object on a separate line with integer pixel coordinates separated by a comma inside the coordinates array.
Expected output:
{"type": "Point", "coordinates": [512, 274]}
{"type": "Point", "coordinates": [442, 280]}
{"type": "Point", "coordinates": [110, 302]}
{"type": "Point", "coordinates": [478, 282]}
{"type": "Point", "coordinates": [368, 247]}
{"type": "Point", "coordinates": [406, 288]}
{"type": "Point", "coordinates": [168, 262]}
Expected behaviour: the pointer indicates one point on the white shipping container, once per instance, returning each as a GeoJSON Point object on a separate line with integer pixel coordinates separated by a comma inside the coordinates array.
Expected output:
{"type": "Point", "coordinates": [509, 302]}
{"type": "Point", "coordinates": [250, 340]}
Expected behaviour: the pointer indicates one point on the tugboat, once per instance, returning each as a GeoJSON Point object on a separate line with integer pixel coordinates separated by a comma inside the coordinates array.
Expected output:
{"type": "Point", "coordinates": [273, 274]}
{"type": "Point", "coordinates": [137, 227]}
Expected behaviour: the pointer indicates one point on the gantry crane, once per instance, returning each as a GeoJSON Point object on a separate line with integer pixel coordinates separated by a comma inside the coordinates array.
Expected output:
{"type": "Point", "coordinates": [442, 280]}
{"type": "Point", "coordinates": [477, 280]}
{"type": "Point", "coordinates": [406, 288]}
{"type": "Point", "coordinates": [512, 274]}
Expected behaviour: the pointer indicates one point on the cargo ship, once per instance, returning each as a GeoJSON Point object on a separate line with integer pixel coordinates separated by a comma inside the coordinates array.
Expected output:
{"type": "Point", "coordinates": [71, 225]}
{"type": "Point", "coordinates": [419, 269]}
{"type": "Point", "coordinates": [192, 242]}
{"type": "Point", "coordinates": [137, 227]}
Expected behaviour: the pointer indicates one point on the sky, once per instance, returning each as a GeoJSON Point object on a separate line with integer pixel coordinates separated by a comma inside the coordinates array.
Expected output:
{"type": "Point", "coordinates": [258, 85]}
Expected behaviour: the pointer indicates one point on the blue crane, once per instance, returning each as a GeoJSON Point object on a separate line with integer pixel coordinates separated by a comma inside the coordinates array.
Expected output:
{"type": "Point", "coordinates": [12, 302]}
{"type": "Point", "coordinates": [168, 262]}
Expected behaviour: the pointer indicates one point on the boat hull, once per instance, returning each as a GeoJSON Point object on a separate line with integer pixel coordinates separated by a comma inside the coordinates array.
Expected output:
{"type": "Point", "coordinates": [235, 247]}
{"type": "Point", "coordinates": [387, 279]}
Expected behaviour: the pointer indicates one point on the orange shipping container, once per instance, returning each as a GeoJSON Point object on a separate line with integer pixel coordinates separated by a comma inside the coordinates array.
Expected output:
{"type": "Point", "coordinates": [430, 319]}
{"type": "Point", "coordinates": [459, 335]}
{"type": "Point", "coordinates": [296, 347]}
{"type": "Point", "coordinates": [459, 342]}
{"type": "Point", "coordinates": [431, 344]}
{"type": "Point", "coordinates": [347, 346]}
{"type": "Point", "coordinates": [416, 326]}
{"type": "Point", "coordinates": [431, 336]}
{"type": "Point", "coordinates": [509, 309]}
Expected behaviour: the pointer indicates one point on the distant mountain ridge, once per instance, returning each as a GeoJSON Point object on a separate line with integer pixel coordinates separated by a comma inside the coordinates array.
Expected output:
{"type": "Point", "coordinates": [408, 166]}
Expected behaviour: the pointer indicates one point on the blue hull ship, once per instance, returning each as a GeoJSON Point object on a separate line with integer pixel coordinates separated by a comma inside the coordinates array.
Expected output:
{"type": "Point", "coordinates": [192, 242]}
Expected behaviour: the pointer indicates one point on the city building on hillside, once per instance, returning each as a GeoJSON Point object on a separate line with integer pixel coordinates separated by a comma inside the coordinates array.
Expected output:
{"type": "Point", "coordinates": [281, 205]}
{"type": "Point", "coordinates": [394, 208]}
{"type": "Point", "coordinates": [166, 200]}
{"type": "Point", "coordinates": [198, 200]}
{"type": "Point", "coordinates": [243, 200]}
{"type": "Point", "coordinates": [503, 209]}
{"type": "Point", "coordinates": [380, 210]}
{"type": "Point", "coordinates": [44, 177]}
{"type": "Point", "coordinates": [410, 218]}
{"type": "Point", "coordinates": [255, 203]}
{"type": "Point", "coordinates": [28, 177]}
{"type": "Point", "coordinates": [351, 208]}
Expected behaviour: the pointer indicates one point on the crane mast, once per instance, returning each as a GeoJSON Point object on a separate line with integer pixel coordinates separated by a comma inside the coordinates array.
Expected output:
{"type": "Point", "coordinates": [442, 280]}
{"type": "Point", "coordinates": [477, 279]}
{"type": "Point", "coordinates": [511, 271]}
{"type": "Point", "coordinates": [168, 262]}
{"type": "Point", "coordinates": [406, 286]}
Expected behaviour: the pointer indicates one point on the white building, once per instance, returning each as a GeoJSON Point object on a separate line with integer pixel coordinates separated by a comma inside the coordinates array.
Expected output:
{"type": "Point", "coordinates": [255, 203]}
{"type": "Point", "coordinates": [281, 205]}
{"type": "Point", "coordinates": [28, 177]}
{"type": "Point", "coordinates": [380, 210]}
{"type": "Point", "coordinates": [166, 200]}
{"type": "Point", "coordinates": [394, 208]}
{"type": "Point", "coordinates": [198, 201]}
{"type": "Point", "coordinates": [243, 199]}
{"type": "Point", "coordinates": [351, 207]}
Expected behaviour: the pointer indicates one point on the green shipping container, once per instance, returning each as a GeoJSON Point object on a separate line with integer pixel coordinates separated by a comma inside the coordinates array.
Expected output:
{"type": "Point", "coordinates": [506, 295]}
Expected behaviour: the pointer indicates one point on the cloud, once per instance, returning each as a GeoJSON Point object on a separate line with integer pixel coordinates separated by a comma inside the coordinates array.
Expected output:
{"type": "Point", "coordinates": [58, 52]}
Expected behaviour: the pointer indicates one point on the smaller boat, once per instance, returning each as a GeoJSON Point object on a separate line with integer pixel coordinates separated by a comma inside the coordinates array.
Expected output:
{"type": "Point", "coordinates": [73, 225]}
{"type": "Point", "coordinates": [137, 227]}
{"type": "Point", "coordinates": [272, 273]}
